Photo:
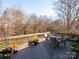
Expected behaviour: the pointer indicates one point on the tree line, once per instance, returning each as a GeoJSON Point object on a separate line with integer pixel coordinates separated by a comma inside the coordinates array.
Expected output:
{"type": "Point", "coordinates": [14, 21]}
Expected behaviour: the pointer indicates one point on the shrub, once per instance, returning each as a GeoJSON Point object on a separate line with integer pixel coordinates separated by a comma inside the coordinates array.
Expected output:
{"type": "Point", "coordinates": [75, 47]}
{"type": "Point", "coordinates": [33, 41]}
{"type": "Point", "coordinates": [8, 52]}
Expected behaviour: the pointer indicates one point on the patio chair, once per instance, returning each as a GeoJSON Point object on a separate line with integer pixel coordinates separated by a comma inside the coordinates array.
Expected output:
{"type": "Point", "coordinates": [54, 43]}
{"type": "Point", "coordinates": [63, 40]}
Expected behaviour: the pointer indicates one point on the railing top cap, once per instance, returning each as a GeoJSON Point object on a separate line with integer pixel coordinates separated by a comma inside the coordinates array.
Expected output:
{"type": "Point", "coordinates": [22, 36]}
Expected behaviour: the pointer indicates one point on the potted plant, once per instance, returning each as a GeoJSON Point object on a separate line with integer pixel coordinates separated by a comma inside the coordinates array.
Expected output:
{"type": "Point", "coordinates": [75, 48]}
{"type": "Point", "coordinates": [33, 41]}
{"type": "Point", "coordinates": [7, 53]}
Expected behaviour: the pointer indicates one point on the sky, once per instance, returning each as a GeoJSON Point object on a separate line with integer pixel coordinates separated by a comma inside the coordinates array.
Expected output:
{"type": "Point", "coordinates": [38, 7]}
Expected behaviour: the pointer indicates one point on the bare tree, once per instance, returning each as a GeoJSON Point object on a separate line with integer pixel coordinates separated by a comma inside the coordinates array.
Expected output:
{"type": "Point", "coordinates": [68, 10]}
{"type": "Point", "coordinates": [12, 20]}
{"type": "Point", "coordinates": [18, 23]}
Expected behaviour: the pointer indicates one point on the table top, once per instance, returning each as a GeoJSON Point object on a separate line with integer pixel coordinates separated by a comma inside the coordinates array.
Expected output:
{"type": "Point", "coordinates": [55, 36]}
{"type": "Point", "coordinates": [58, 38]}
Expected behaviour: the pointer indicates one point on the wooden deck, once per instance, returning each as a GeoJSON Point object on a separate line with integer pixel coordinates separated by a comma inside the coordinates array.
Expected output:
{"type": "Point", "coordinates": [42, 51]}
{"type": "Point", "coordinates": [58, 53]}
{"type": "Point", "coordinates": [36, 52]}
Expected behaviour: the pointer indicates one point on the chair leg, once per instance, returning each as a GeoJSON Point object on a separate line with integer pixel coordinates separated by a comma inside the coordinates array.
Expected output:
{"type": "Point", "coordinates": [58, 44]}
{"type": "Point", "coordinates": [65, 43]}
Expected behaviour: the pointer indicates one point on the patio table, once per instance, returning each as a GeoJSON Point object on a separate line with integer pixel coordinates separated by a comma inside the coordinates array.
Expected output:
{"type": "Point", "coordinates": [55, 40]}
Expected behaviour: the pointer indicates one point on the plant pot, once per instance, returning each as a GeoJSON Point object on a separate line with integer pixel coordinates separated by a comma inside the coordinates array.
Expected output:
{"type": "Point", "coordinates": [35, 43]}
{"type": "Point", "coordinates": [5, 56]}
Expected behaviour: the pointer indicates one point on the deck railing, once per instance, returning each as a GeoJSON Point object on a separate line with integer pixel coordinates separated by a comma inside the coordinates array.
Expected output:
{"type": "Point", "coordinates": [20, 41]}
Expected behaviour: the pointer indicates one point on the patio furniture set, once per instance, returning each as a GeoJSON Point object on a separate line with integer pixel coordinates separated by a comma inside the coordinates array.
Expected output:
{"type": "Point", "coordinates": [55, 42]}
